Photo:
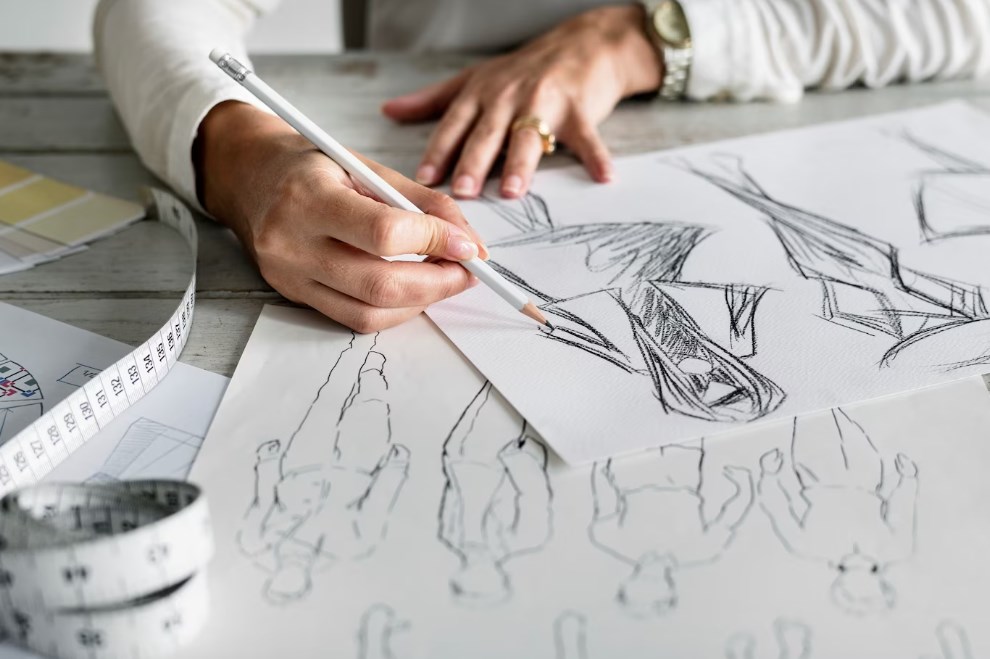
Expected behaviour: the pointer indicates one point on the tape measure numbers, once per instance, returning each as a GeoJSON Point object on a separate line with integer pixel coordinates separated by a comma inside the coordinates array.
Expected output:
{"type": "Point", "coordinates": [108, 570]}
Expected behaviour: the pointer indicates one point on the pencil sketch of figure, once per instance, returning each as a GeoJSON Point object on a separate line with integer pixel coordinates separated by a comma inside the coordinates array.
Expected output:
{"type": "Point", "coordinates": [954, 201]}
{"type": "Point", "coordinates": [639, 501]}
{"type": "Point", "coordinates": [496, 501]}
{"type": "Point", "coordinates": [793, 640]}
{"type": "Point", "coordinates": [379, 625]}
{"type": "Point", "coordinates": [614, 291]}
{"type": "Point", "coordinates": [841, 476]}
{"type": "Point", "coordinates": [935, 323]}
{"type": "Point", "coordinates": [150, 449]}
{"type": "Point", "coordinates": [325, 494]}
{"type": "Point", "coordinates": [953, 642]}
{"type": "Point", "coordinates": [570, 636]}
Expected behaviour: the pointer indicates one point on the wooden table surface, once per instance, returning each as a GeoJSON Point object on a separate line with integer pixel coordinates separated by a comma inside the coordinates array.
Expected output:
{"type": "Point", "coordinates": [56, 119]}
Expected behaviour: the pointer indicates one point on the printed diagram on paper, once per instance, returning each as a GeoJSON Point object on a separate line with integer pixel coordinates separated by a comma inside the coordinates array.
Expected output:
{"type": "Point", "coordinates": [726, 284]}
{"type": "Point", "coordinates": [406, 519]}
{"type": "Point", "coordinates": [43, 361]}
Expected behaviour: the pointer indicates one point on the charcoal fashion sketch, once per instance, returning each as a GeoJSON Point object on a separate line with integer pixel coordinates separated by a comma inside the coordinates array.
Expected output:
{"type": "Point", "coordinates": [636, 503]}
{"type": "Point", "coordinates": [624, 301]}
{"type": "Point", "coordinates": [792, 637]}
{"type": "Point", "coordinates": [865, 286]}
{"type": "Point", "coordinates": [324, 494]}
{"type": "Point", "coordinates": [497, 499]}
{"type": "Point", "coordinates": [953, 201]}
{"type": "Point", "coordinates": [850, 482]}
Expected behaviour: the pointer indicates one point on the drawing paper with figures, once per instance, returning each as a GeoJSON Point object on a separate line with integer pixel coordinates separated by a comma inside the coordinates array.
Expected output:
{"type": "Point", "coordinates": [720, 285]}
{"type": "Point", "coordinates": [374, 496]}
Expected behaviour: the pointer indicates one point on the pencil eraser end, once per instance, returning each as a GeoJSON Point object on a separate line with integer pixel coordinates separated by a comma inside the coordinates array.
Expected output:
{"type": "Point", "coordinates": [216, 54]}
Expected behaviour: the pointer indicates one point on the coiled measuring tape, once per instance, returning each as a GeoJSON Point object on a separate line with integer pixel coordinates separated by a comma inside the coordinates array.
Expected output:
{"type": "Point", "coordinates": [108, 570]}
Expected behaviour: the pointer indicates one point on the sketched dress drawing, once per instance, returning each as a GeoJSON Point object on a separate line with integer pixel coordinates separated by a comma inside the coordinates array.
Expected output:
{"type": "Point", "coordinates": [325, 495]}
{"type": "Point", "coordinates": [935, 323]}
{"type": "Point", "coordinates": [844, 483]}
{"type": "Point", "coordinates": [614, 290]}
{"type": "Point", "coordinates": [496, 497]}
{"type": "Point", "coordinates": [649, 513]}
{"type": "Point", "coordinates": [953, 202]}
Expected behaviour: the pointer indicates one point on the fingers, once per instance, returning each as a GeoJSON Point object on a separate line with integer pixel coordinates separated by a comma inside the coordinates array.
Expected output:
{"type": "Point", "coordinates": [359, 316]}
{"type": "Point", "coordinates": [583, 139]}
{"type": "Point", "coordinates": [378, 229]}
{"type": "Point", "coordinates": [430, 202]}
{"type": "Point", "coordinates": [480, 151]}
{"type": "Point", "coordinates": [446, 140]}
{"type": "Point", "coordinates": [525, 151]}
{"type": "Point", "coordinates": [425, 103]}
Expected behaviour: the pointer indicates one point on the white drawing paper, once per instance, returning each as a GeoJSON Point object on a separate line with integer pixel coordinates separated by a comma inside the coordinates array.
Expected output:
{"type": "Point", "coordinates": [386, 501]}
{"type": "Point", "coordinates": [719, 285]}
{"type": "Point", "coordinates": [43, 361]}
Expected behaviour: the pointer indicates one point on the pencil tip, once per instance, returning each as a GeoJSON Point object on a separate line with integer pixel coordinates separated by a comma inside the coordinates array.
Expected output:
{"type": "Point", "coordinates": [549, 326]}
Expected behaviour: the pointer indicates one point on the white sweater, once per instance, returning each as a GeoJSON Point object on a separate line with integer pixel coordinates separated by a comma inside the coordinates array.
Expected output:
{"type": "Point", "coordinates": [153, 54]}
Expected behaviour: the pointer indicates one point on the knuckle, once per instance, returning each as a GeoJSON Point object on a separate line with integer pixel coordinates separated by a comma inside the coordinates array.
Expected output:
{"type": "Point", "coordinates": [367, 321]}
{"type": "Point", "coordinates": [385, 236]}
{"type": "Point", "coordinates": [385, 289]}
{"type": "Point", "coordinates": [444, 206]}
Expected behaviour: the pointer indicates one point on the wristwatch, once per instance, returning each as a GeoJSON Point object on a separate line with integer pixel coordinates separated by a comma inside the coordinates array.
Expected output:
{"type": "Point", "coordinates": [667, 28]}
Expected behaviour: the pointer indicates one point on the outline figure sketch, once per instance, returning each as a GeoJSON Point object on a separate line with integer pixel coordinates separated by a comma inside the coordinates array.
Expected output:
{"type": "Point", "coordinates": [638, 500]}
{"type": "Point", "coordinates": [865, 287]}
{"type": "Point", "coordinates": [496, 502]}
{"type": "Point", "coordinates": [379, 625]}
{"type": "Point", "coordinates": [622, 300]}
{"type": "Point", "coordinates": [953, 642]}
{"type": "Point", "coordinates": [841, 476]}
{"type": "Point", "coordinates": [793, 639]}
{"type": "Point", "coordinates": [570, 635]}
{"type": "Point", "coordinates": [325, 495]}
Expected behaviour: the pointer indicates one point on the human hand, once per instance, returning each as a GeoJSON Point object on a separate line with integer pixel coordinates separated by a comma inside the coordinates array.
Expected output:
{"type": "Point", "coordinates": [571, 77]}
{"type": "Point", "coordinates": [316, 235]}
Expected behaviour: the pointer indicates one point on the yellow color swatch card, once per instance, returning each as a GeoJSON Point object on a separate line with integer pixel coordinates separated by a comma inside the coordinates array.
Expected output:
{"type": "Point", "coordinates": [42, 219]}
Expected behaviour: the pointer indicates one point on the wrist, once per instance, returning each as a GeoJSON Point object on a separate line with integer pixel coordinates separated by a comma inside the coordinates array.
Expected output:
{"type": "Point", "coordinates": [235, 142]}
{"type": "Point", "coordinates": [640, 61]}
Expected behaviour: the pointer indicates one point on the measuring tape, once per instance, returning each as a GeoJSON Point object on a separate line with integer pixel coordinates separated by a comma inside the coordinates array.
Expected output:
{"type": "Point", "coordinates": [109, 570]}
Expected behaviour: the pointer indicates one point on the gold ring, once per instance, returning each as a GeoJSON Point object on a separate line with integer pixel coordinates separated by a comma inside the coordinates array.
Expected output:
{"type": "Point", "coordinates": [543, 130]}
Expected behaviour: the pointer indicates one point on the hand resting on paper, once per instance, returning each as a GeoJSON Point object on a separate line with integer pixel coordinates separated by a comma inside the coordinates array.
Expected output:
{"type": "Point", "coordinates": [572, 77]}
{"type": "Point", "coordinates": [316, 235]}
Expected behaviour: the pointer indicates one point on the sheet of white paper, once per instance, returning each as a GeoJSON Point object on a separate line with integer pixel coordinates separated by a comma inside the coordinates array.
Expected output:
{"type": "Point", "coordinates": [373, 497]}
{"type": "Point", "coordinates": [713, 286]}
{"type": "Point", "coordinates": [42, 361]}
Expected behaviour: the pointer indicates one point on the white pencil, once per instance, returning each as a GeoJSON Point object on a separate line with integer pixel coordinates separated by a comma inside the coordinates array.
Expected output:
{"type": "Point", "coordinates": [332, 148]}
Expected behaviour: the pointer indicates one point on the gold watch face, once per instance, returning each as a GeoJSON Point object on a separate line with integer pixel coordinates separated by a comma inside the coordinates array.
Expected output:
{"type": "Point", "coordinates": [671, 24]}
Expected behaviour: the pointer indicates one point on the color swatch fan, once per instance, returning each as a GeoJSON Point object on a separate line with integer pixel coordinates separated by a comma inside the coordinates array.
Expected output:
{"type": "Point", "coordinates": [42, 219]}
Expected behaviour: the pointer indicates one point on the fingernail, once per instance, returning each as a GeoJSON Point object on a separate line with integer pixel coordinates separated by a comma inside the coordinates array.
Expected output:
{"type": "Point", "coordinates": [474, 282]}
{"type": "Point", "coordinates": [464, 186]}
{"type": "Point", "coordinates": [461, 249]}
{"type": "Point", "coordinates": [426, 174]}
{"type": "Point", "coordinates": [512, 185]}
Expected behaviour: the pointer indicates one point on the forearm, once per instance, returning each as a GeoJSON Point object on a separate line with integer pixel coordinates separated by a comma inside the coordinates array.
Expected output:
{"type": "Point", "coordinates": [774, 49]}
{"type": "Point", "coordinates": [153, 58]}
